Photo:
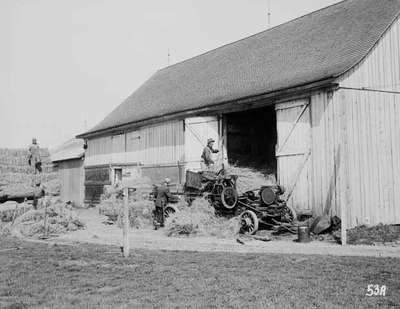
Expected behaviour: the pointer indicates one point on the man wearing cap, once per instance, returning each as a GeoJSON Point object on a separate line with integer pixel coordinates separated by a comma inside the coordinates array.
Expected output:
{"type": "Point", "coordinates": [206, 156]}
{"type": "Point", "coordinates": [34, 156]}
{"type": "Point", "coordinates": [162, 197]}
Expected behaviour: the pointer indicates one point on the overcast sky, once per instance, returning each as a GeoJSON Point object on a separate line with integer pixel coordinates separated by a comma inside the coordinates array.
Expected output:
{"type": "Point", "coordinates": [65, 64]}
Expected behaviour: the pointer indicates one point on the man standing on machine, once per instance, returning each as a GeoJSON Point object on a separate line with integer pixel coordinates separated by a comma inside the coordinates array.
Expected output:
{"type": "Point", "coordinates": [206, 157]}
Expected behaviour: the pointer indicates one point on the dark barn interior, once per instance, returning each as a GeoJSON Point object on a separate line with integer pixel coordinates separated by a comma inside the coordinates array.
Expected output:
{"type": "Point", "coordinates": [251, 139]}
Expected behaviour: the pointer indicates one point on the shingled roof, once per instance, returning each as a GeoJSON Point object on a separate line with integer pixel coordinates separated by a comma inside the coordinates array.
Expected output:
{"type": "Point", "coordinates": [314, 47]}
{"type": "Point", "coordinates": [72, 149]}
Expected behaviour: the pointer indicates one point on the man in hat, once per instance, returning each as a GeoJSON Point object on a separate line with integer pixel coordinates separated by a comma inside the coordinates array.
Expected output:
{"type": "Point", "coordinates": [34, 156]}
{"type": "Point", "coordinates": [206, 156]}
{"type": "Point", "coordinates": [162, 197]}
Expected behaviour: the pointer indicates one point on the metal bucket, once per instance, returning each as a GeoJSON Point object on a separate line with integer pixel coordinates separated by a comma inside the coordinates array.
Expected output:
{"type": "Point", "coordinates": [303, 234]}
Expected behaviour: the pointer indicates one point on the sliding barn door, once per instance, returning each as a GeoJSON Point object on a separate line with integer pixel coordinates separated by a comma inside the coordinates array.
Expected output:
{"type": "Point", "coordinates": [293, 151]}
{"type": "Point", "coordinates": [197, 131]}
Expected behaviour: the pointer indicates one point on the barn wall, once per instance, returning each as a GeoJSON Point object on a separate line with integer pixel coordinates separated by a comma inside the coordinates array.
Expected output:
{"type": "Point", "coordinates": [373, 133]}
{"type": "Point", "coordinates": [381, 68]}
{"type": "Point", "coordinates": [326, 153]}
{"type": "Point", "coordinates": [318, 132]}
{"type": "Point", "coordinates": [71, 175]}
{"type": "Point", "coordinates": [160, 144]}
{"type": "Point", "coordinates": [373, 154]}
{"type": "Point", "coordinates": [155, 149]}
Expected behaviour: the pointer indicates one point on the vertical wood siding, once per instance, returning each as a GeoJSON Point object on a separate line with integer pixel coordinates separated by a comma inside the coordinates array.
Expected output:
{"type": "Point", "coordinates": [326, 153]}
{"type": "Point", "coordinates": [71, 175]}
{"type": "Point", "coordinates": [197, 131]}
{"type": "Point", "coordinates": [373, 133]}
{"type": "Point", "coordinates": [159, 144]}
{"type": "Point", "coordinates": [381, 68]}
{"type": "Point", "coordinates": [292, 156]}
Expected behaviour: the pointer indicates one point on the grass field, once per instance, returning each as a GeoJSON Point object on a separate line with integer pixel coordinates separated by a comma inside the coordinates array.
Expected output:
{"type": "Point", "coordinates": [89, 276]}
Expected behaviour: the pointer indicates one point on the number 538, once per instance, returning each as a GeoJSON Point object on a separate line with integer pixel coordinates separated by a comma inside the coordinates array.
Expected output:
{"type": "Point", "coordinates": [376, 290]}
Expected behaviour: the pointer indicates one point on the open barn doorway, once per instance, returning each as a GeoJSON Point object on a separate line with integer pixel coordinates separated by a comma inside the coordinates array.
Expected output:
{"type": "Point", "coordinates": [251, 139]}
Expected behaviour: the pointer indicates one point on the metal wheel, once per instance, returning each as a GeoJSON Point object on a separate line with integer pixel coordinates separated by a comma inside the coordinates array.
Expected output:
{"type": "Point", "coordinates": [288, 214]}
{"type": "Point", "coordinates": [249, 222]}
{"type": "Point", "coordinates": [169, 210]}
{"type": "Point", "coordinates": [229, 197]}
{"type": "Point", "coordinates": [268, 195]}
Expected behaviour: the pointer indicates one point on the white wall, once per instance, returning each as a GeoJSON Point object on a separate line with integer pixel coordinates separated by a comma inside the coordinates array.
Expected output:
{"type": "Point", "coordinates": [152, 145]}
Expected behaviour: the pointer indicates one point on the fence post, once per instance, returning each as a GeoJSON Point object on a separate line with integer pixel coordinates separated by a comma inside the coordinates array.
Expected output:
{"type": "Point", "coordinates": [125, 228]}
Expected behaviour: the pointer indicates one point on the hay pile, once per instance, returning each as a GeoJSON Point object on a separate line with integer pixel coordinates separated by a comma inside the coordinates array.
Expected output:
{"type": "Point", "coordinates": [140, 207]}
{"type": "Point", "coordinates": [140, 212]}
{"type": "Point", "coordinates": [61, 218]}
{"type": "Point", "coordinates": [11, 210]}
{"type": "Point", "coordinates": [250, 179]}
{"type": "Point", "coordinates": [200, 219]}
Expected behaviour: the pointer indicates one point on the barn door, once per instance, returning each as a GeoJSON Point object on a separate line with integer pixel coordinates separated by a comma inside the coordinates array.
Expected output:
{"type": "Point", "coordinates": [293, 151]}
{"type": "Point", "coordinates": [197, 131]}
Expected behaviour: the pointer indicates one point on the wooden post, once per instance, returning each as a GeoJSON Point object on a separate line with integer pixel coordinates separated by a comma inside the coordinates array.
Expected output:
{"type": "Point", "coordinates": [45, 221]}
{"type": "Point", "coordinates": [125, 228]}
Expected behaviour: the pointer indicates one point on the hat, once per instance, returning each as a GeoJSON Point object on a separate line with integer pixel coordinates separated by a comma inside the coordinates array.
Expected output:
{"type": "Point", "coordinates": [210, 140]}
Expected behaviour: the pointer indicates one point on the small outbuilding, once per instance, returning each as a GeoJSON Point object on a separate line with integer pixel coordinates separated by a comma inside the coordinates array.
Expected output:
{"type": "Point", "coordinates": [68, 161]}
{"type": "Point", "coordinates": [316, 99]}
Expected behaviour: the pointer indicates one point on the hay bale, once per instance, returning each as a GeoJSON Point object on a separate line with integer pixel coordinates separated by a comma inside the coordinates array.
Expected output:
{"type": "Point", "coordinates": [200, 219]}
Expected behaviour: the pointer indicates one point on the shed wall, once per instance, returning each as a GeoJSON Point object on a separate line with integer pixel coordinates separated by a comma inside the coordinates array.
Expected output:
{"type": "Point", "coordinates": [71, 175]}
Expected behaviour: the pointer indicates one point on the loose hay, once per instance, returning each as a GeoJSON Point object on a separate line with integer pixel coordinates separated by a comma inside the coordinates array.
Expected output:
{"type": "Point", "coordinates": [200, 219]}
{"type": "Point", "coordinates": [250, 179]}
{"type": "Point", "coordinates": [140, 208]}
{"type": "Point", "coordinates": [10, 210]}
{"type": "Point", "coordinates": [61, 218]}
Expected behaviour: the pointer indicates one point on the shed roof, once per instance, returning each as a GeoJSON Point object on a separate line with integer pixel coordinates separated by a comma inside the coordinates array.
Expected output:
{"type": "Point", "coordinates": [314, 47]}
{"type": "Point", "coordinates": [72, 149]}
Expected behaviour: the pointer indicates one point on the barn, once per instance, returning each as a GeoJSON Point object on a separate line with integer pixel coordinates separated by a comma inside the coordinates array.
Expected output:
{"type": "Point", "coordinates": [316, 99]}
{"type": "Point", "coordinates": [68, 161]}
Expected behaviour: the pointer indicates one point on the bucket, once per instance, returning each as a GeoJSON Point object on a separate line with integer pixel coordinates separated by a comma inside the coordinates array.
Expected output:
{"type": "Point", "coordinates": [303, 234]}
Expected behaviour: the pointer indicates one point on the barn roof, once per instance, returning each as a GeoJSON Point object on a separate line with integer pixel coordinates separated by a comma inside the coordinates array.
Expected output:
{"type": "Point", "coordinates": [72, 149]}
{"type": "Point", "coordinates": [314, 47]}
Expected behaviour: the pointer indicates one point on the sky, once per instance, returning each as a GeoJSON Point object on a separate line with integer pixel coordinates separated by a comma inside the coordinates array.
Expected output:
{"type": "Point", "coordinates": [66, 64]}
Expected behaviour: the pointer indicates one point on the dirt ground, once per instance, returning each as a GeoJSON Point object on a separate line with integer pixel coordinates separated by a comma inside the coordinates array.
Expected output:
{"type": "Point", "coordinates": [99, 233]}
{"type": "Point", "coordinates": [40, 275]}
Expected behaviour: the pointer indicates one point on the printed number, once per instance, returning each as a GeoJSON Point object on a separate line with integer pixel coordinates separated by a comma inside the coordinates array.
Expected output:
{"type": "Point", "coordinates": [376, 290]}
